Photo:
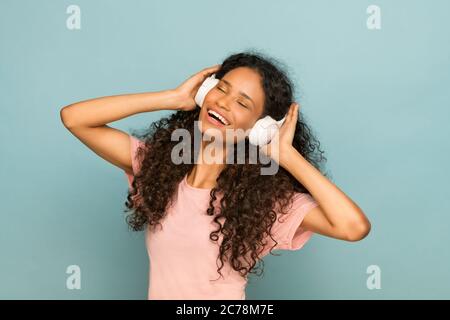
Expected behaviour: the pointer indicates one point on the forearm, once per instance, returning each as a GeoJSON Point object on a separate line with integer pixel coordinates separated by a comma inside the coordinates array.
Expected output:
{"type": "Point", "coordinates": [103, 110]}
{"type": "Point", "coordinates": [339, 209]}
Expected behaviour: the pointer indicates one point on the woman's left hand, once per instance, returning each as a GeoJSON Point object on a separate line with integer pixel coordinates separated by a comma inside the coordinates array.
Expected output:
{"type": "Point", "coordinates": [282, 141]}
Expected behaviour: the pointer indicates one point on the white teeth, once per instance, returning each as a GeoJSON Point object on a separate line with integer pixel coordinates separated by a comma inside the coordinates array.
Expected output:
{"type": "Point", "coordinates": [224, 121]}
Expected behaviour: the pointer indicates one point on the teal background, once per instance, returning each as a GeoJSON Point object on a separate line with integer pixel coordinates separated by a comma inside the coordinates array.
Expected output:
{"type": "Point", "coordinates": [378, 101]}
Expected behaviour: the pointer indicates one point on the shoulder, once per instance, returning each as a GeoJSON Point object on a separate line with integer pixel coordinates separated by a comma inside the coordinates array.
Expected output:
{"type": "Point", "coordinates": [288, 229]}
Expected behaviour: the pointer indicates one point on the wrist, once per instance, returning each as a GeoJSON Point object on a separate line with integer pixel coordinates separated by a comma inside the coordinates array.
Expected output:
{"type": "Point", "coordinates": [174, 99]}
{"type": "Point", "coordinates": [285, 158]}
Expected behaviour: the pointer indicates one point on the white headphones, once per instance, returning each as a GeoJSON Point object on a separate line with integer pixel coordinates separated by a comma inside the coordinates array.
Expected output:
{"type": "Point", "coordinates": [264, 129]}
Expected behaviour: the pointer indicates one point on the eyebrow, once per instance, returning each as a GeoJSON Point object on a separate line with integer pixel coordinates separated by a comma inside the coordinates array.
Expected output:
{"type": "Point", "coordinates": [240, 92]}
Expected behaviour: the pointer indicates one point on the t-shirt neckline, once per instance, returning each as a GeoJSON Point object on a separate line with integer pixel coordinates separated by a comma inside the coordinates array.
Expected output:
{"type": "Point", "coordinates": [185, 182]}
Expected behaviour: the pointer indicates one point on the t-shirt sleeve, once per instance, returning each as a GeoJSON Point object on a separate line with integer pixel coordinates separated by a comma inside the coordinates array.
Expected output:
{"type": "Point", "coordinates": [287, 229]}
{"type": "Point", "coordinates": [135, 143]}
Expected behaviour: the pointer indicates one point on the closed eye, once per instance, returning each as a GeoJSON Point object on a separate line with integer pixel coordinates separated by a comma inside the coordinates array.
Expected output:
{"type": "Point", "coordinates": [219, 88]}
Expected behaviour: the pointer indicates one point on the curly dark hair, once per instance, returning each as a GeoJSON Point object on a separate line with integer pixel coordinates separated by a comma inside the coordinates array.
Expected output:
{"type": "Point", "coordinates": [249, 198]}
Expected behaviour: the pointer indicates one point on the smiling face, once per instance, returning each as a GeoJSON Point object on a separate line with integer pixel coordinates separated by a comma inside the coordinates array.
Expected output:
{"type": "Point", "coordinates": [236, 102]}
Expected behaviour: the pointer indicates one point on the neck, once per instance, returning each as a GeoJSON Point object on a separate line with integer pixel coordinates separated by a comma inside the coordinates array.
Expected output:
{"type": "Point", "coordinates": [204, 174]}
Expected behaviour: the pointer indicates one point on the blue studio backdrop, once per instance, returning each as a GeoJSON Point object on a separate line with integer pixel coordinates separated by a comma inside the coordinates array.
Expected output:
{"type": "Point", "coordinates": [373, 82]}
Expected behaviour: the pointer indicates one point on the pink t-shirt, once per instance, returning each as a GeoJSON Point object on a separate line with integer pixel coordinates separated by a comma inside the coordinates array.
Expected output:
{"type": "Point", "coordinates": [182, 258]}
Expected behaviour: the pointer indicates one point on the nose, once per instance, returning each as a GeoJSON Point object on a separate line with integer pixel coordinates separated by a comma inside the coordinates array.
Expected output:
{"type": "Point", "coordinates": [223, 103]}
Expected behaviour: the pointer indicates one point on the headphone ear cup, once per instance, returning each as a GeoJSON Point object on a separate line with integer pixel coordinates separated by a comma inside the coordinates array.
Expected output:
{"type": "Point", "coordinates": [263, 131]}
{"type": "Point", "coordinates": [206, 86]}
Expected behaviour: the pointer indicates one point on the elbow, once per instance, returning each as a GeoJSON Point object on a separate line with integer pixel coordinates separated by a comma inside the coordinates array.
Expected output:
{"type": "Point", "coordinates": [64, 116]}
{"type": "Point", "coordinates": [359, 231]}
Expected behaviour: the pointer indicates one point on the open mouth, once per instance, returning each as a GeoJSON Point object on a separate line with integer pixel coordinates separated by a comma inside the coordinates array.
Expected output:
{"type": "Point", "coordinates": [216, 116]}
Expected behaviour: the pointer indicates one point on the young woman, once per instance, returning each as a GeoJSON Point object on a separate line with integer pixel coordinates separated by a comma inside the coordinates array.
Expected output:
{"type": "Point", "coordinates": [208, 225]}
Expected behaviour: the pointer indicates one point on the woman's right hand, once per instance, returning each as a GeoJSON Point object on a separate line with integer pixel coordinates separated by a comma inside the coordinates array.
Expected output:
{"type": "Point", "coordinates": [188, 89]}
